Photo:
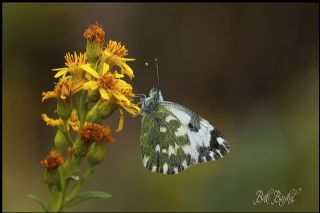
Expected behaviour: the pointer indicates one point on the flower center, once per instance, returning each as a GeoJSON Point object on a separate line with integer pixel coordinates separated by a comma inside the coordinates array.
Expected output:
{"type": "Point", "coordinates": [107, 81]}
{"type": "Point", "coordinates": [63, 88]}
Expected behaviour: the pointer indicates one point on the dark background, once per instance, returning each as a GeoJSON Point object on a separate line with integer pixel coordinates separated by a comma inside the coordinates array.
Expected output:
{"type": "Point", "coordinates": [250, 69]}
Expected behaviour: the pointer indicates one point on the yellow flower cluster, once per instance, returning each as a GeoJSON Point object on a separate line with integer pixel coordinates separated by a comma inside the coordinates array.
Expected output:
{"type": "Point", "coordinates": [90, 87]}
{"type": "Point", "coordinates": [106, 75]}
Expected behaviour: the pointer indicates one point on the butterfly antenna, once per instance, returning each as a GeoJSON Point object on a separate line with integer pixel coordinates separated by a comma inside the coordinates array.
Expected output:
{"type": "Point", "coordinates": [157, 69]}
{"type": "Point", "coordinates": [157, 72]}
{"type": "Point", "coordinates": [148, 67]}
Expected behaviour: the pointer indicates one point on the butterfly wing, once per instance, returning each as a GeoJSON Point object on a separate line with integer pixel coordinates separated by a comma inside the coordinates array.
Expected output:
{"type": "Point", "coordinates": [173, 138]}
{"type": "Point", "coordinates": [206, 142]}
{"type": "Point", "coordinates": [162, 151]}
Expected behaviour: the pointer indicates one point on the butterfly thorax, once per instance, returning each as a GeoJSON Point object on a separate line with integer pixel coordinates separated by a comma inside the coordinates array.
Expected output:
{"type": "Point", "coordinates": [151, 102]}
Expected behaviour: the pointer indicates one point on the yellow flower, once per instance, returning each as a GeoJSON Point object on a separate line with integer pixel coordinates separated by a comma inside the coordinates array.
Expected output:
{"type": "Point", "coordinates": [117, 49]}
{"type": "Point", "coordinates": [131, 108]}
{"type": "Point", "coordinates": [73, 121]}
{"type": "Point", "coordinates": [64, 89]}
{"type": "Point", "coordinates": [111, 87]}
{"type": "Point", "coordinates": [108, 83]}
{"type": "Point", "coordinates": [73, 64]}
{"type": "Point", "coordinates": [114, 55]}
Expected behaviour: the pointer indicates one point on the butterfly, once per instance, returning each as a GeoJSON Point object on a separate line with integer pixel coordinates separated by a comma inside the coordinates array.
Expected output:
{"type": "Point", "coordinates": [174, 137]}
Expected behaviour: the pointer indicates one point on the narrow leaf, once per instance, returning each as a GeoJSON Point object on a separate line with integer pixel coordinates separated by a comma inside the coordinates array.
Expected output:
{"type": "Point", "coordinates": [86, 196]}
{"type": "Point", "coordinates": [37, 200]}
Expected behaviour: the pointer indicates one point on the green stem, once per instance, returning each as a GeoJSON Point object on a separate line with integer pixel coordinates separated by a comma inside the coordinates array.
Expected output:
{"type": "Point", "coordinates": [60, 190]}
{"type": "Point", "coordinates": [77, 186]}
{"type": "Point", "coordinates": [52, 199]}
{"type": "Point", "coordinates": [66, 132]}
{"type": "Point", "coordinates": [86, 109]}
{"type": "Point", "coordinates": [79, 104]}
{"type": "Point", "coordinates": [62, 196]}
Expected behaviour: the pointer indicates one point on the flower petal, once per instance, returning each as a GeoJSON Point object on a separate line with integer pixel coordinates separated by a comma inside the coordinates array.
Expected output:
{"type": "Point", "coordinates": [58, 69]}
{"type": "Point", "coordinates": [128, 59]}
{"type": "Point", "coordinates": [126, 70]}
{"type": "Point", "coordinates": [118, 75]}
{"type": "Point", "coordinates": [120, 97]}
{"type": "Point", "coordinates": [104, 94]}
{"type": "Point", "coordinates": [88, 77]}
{"type": "Point", "coordinates": [90, 85]}
{"type": "Point", "coordinates": [88, 69]}
{"type": "Point", "coordinates": [123, 85]}
{"type": "Point", "coordinates": [121, 121]}
{"type": "Point", "coordinates": [132, 109]}
{"type": "Point", "coordinates": [50, 121]}
{"type": "Point", "coordinates": [105, 68]}
{"type": "Point", "coordinates": [49, 94]}
{"type": "Point", "coordinates": [60, 73]}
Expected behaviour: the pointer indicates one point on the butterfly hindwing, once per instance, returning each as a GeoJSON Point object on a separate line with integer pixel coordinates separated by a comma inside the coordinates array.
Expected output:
{"type": "Point", "coordinates": [162, 145]}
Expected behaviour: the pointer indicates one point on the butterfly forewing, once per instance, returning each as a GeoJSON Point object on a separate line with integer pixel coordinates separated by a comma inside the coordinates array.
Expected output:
{"type": "Point", "coordinates": [173, 137]}
{"type": "Point", "coordinates": [206, 141]}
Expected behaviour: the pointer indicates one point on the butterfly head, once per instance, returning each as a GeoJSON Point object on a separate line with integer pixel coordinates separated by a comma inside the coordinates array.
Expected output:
{"type": "Point", "coordinates": [151, 102]}
{"type": "Point", "coordinates": [148, 104]}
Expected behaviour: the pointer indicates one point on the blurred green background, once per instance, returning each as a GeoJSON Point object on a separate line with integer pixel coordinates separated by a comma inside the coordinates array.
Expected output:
{"type": "Point", "coordinates": [250, 69]}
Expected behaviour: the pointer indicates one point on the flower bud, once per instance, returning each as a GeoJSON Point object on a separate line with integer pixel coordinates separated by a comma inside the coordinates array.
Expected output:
{"type": "Point", "coordinates": [96, 133]}
{"type": "Point", "coordinates": [95, 32]}
{"type": "Point", "coordinates": [94, 114]}
{"type": "Point", "coordinates": [80, 148]}
{"type": "Point", "coordinates": [102, 109]}
{"type": "Point", "coordinates": [60, 141]}
{"type": "Point", "coordinates": [93, 95]}
{"type": "Point", "coordinates": [64, 109]}
{"type": "Point", "coordinates": [106, 108]}
{"type": "Point", "coordinates": [96, 153]}
{"type": "Point", "coordinates": [52, 162]}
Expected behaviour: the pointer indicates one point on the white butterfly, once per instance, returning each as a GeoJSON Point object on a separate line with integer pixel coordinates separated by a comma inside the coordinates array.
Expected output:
{"type": "Point", "coordinates": [173, 137]}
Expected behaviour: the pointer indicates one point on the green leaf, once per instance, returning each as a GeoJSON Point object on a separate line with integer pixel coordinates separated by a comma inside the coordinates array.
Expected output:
{"type": "Point", "coordinates": [86, 196]}
{"type": "Point", "coordinates": [33, 197]}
